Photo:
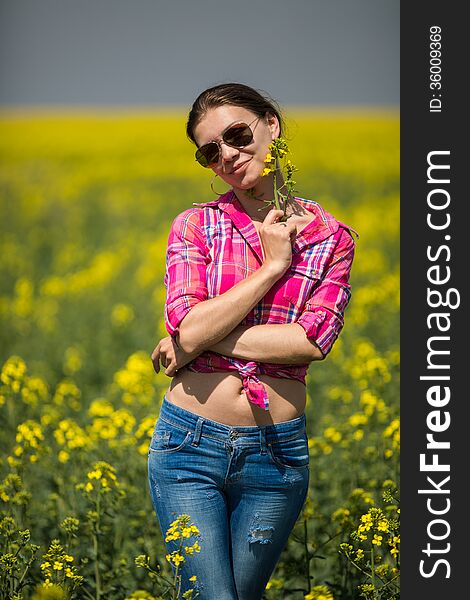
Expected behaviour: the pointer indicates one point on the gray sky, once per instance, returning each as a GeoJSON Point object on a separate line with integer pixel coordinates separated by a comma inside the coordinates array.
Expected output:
{"type": "Point", "coordinates": [164, 52]}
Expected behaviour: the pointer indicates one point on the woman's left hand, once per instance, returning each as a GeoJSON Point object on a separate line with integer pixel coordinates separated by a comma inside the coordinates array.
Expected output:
{"type": "Point", "coordinates": [171, 356]}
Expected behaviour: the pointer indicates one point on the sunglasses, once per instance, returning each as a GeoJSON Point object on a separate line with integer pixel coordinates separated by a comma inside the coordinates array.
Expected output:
{"type": "Point", "coordinates": [237, 136]}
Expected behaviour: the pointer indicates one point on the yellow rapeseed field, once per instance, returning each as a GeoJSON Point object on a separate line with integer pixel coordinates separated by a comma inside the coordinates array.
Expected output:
{"type": "Point", "coordinates": [86, 203]}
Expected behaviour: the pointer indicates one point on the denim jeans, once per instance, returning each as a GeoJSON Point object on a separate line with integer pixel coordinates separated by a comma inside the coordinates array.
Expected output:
{"type": "Point", "coordinates": [243, 487]}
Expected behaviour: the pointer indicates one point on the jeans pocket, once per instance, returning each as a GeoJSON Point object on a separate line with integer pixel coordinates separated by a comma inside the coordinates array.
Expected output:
{"type": "Point", "coordinates": [167, 438]}
{"type": "Point", "coordinates": [292, 453]}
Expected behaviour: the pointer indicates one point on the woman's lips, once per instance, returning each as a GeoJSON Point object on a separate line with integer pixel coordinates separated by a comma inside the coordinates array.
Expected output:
{"type": "Point", "coordinates": [240, 167]}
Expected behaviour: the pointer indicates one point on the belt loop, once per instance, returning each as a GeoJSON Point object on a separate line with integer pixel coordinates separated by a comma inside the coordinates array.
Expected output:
{"type": "Point", "coordinates": [197, 432]}
{"type": "Point", "coordinates": [262, 440]}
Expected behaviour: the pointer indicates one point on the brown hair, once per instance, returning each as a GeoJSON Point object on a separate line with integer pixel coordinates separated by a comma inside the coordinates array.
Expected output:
{"type": "Point", "coordinates": [234, 94]}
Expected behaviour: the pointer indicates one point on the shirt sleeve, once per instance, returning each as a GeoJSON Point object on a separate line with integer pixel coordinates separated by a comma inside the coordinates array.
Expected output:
{"type": "Point", "coordinates": [185, 274]}
{"type": "Point", "coordinates": [323, 315]}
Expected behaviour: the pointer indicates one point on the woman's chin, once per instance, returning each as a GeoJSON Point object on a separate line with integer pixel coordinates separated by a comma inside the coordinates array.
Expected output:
{"type": "Point", "coordinates": [248, 182]}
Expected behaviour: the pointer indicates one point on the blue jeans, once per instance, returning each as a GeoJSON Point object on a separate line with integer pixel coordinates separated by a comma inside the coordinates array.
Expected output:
{"type": "Point", "coordinates": [243, 487]}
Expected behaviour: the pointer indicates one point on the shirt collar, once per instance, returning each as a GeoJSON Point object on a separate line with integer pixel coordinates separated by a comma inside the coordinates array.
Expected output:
{"type": "Point", "coordinates": [316, 231]}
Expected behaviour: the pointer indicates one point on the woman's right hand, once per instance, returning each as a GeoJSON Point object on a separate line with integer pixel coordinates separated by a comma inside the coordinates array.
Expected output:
{"type": "Point", "coordinates": [171, 356]}
{"type": "Point", "coordinates": [277, 238]}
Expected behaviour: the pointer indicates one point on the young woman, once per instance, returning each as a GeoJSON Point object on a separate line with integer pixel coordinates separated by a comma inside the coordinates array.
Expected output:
{"type": "Point", "coordinates": [251, 301]}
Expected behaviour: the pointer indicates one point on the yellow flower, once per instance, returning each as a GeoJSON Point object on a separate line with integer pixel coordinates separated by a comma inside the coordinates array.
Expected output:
{"type": "Point", "coordinates": [177, 558]}
{"type": "Point", "coordinates": [319, 592]}
{"type": "Point", "coordinates": [377, 540]}
{"type": "Point", "coordinates": [383, 526]}
{"type": "Point", "coordinates": [357, 419]}
{"type": "Point", "coordinates": [63, 456]}
{"type": "Point", "coordinates": [97, 474]}
{"type": "Point", "coordinates": [332, 434]}
{"type": "Point", "coordinates": [121, 314]}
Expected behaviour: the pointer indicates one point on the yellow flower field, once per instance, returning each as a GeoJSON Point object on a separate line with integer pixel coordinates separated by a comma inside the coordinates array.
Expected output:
{"type": "Point", "coordinates": [86, 203]}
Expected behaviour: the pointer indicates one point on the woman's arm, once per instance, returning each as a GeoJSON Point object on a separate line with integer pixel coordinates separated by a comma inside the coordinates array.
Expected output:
{"type": "Point", "coordinates": [210, 321]}
{"type": "Point", "coordinates": [273, 343]}
{"type": "Point", "coordinates": [278, 344]}
{"type": "Point", "coordinates": [313, 335]}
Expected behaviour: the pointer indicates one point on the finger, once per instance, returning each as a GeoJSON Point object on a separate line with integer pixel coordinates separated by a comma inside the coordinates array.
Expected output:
{"type": "Point", "coordinates": [156, 365]}
{"type": "Point", "coordinates": [155, 360]}
{"type": "Point", "coordinates": [156, 351]}
{"type": "Point", "coordinates": [171, 370]}
{"type": "Point", "coordinates": [164, 360]}
{"type": "Point", "coordinates": [273, 216]}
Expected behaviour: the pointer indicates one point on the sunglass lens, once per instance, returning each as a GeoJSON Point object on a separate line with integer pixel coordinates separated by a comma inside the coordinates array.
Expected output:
{"type": "Point", "coordinates": [208, 155]}
{"type": "Point", "coordinates": [238, 136]}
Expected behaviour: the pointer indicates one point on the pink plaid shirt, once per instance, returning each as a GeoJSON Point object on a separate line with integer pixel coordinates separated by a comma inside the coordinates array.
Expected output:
{"type": "Point", "coordinates": [214, 245]}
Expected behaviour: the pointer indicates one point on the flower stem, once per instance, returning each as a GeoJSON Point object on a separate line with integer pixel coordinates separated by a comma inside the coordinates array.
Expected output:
{"type": "Point", "coordinates": [372, 566]}
{"type": "Point", "coordinates": [96, 550]}
{"type": "Point", "coordinates": [307, 557]}
{"type": "Point", "coordinates": [276, 197]}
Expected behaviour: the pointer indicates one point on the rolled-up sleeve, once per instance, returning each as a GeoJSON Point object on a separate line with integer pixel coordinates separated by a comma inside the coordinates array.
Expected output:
{"type": "Point", "coordinates": [185, 275]}
{"type": "Point", "coordinates": [323, 315]}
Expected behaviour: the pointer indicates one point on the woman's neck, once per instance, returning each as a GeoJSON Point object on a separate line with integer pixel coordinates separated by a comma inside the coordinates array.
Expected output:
{"type": "Point", "coordinates": [257, 209]}
{"type": "Point", "coordinates": [255, 200]}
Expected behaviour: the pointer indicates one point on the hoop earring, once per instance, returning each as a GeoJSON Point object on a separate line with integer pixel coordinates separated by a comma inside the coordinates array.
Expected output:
{"type": "Point", "coordinates": [212, 187]}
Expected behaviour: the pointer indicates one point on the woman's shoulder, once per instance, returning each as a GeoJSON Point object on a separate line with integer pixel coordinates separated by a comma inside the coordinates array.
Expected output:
{"type": "Point", "coordinates": [192, 216]}
{"type": "Point", "coordinates": [196, 222]}
{"type": "Point", "coordinates": [327, 224]}
{"type": "Point", "coordinates": [199, 215]}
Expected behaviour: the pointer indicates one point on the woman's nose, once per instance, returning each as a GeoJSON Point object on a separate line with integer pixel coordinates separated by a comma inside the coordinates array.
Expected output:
{"type": "Point", "coordinates": [227, 152]}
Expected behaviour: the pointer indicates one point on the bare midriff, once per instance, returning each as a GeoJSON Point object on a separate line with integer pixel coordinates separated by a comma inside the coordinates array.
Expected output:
{"type": "Point", "coordinates": [221, 397]}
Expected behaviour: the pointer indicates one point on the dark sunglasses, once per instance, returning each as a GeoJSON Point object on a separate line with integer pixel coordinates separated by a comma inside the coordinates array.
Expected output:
{"type": "Point", "coordinates": [237, 136]}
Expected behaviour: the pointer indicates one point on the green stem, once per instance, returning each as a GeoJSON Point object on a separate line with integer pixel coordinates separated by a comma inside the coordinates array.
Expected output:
{"type": "Point", "coordinates": [307, 558]}
{"type": "Point", "coordinates": [97, 570]}
{"type": "Point", "coordinates": [372, 565]}
{"type": "Point", "coordinates": [96, 551]}
{"type": "Point", "coordinates": [87, 593]}
{"type": "Point", "coordinates": [276, 197]}
{"type": "Point", "coordinates": [175, 586]}
{"type": "Point", "coordinates": [28, 565]}
{"type": "Point", "coordinates": [177, 580]}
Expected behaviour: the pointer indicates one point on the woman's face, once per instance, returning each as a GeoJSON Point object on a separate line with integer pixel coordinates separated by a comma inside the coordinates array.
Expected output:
{"type": "Point", "coordinates": [240, 168]}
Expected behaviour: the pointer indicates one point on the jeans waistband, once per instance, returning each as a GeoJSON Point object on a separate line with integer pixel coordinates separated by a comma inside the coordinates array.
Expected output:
{"type": "Point", "coordinates": [179, 417]}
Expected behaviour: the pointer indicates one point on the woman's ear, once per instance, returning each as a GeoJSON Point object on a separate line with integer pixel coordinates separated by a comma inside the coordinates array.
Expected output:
{"type": "Point", "coordinates": [273, 124]}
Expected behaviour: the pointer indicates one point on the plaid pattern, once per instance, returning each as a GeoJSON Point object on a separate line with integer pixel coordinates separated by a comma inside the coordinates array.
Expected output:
{"type": "Point", "coordinates": [214, 245]}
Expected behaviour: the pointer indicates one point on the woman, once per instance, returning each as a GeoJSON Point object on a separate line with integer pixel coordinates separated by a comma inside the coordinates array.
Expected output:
{"type": "Point", "coordinates": [252, 299]}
